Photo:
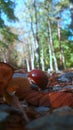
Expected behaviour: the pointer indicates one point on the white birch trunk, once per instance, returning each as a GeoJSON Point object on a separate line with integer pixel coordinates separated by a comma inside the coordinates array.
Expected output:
{"type": "Point", "coordinates": [28, 65]}
{"type": "Point", "coordinates": [32, 55]}
{"type": "Point", "coordinates": [52, 48]}
{"type": "Point", "coordinates": [3, 56]}
{"type": "Point", "coordinates": [42, 60]}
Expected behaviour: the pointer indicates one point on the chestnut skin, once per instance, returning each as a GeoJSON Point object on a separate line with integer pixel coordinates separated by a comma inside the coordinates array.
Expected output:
{"type": "Point", "coordinates": [38, 77]}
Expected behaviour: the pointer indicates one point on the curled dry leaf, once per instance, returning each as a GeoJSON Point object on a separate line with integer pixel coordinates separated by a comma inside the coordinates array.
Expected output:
{"type": "Point", "coordinates": [6, 72]}
{"type": "Point", "coordinates": [8, 87]}
{"type": "Point", "coordinates": [18, 85]}
{"type": "Point", "coordinates": [15, 88]}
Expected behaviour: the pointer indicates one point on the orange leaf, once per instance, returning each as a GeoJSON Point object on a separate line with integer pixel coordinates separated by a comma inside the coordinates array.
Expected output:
{"type": "Point", "coordinates": [19, 85]}
{"type": "Point", "coordinates": [52, 99]}
{"type": "Point", "coordinates": [6, 72]}
{"type": "Point", "coordinates": [59, 99]}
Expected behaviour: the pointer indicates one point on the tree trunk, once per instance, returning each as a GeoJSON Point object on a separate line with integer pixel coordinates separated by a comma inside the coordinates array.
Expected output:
{"type": "Point", "coordinates": [37, 38]}
{"type": "Point", "coordinates": [50, 57]}
{"type": "Point", "coordinates": [52, 49]}
{"type": "Point", "coordinates": [27, 65]}
{"type": "Point", "coordinates": [42, 60]}
{"type": "Point", "coordinates": [3, 55]}
{"type": "Point", "coordinates": [32, 56]}
{"type": "Point", "coordinates": [62, 58]}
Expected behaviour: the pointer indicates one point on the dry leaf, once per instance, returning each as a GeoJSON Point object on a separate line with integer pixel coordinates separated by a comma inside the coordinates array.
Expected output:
{"type": "Point", "coordinates": [6, 72]}
{"type": "Point", "coordinates": [52, 99]}
{"type": "Point", "coordinates": [19, 85]}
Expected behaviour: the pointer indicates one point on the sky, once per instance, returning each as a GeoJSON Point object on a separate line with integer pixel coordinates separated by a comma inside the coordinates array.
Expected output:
{"type": "Point", "coordinates": [65, 16]}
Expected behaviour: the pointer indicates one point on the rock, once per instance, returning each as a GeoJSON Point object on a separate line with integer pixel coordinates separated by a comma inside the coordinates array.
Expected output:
{"type": "Point", "coordinates": [64, 110]}
{"type": "Point", "coordinates": [7, 108]}
{"type": "Point", "coordinates": [3, 116]}
{"type": "Point", "coordinates": [11, 118]}
{"type": "Point", "coordinates": [56, 88]}
{"type": "Point", "coordinates": [52, 122]}
{"type": "Point", "coordinates": [42, 109]}
{"type": "Point", "coordinates": [3, 120]}
{"type": "Point", "coordinates": [66, 77]}
{"type": "Point", "coordinates": [20, 75]}
{"type": "Point", "coordinates": [68, 87]}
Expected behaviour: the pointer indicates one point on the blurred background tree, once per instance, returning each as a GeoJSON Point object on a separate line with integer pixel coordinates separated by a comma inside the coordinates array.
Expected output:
{"type": "Point", "coordinates": [7, 37]}
{"type": "Point", "coordinates": [40, 36]}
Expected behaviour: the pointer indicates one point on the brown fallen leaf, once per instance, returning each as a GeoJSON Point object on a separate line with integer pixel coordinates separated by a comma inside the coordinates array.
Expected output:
{"type": "Point", "coordinates": [6, 72]}
{"type": "Point", "coordinates": [59, 99]}
{"type": "Point", "coordinates": [52, 99]}
{"type": "Point", "coordinates": [18, 85]}
{"type": "Point", "coordinates": [9, 87]}
{"type": "Point", "coordinates": [13, 93]}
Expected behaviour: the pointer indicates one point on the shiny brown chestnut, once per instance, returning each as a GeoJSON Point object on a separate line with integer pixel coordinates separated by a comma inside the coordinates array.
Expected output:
{"type": "Point", "coordinates": [38, 77]}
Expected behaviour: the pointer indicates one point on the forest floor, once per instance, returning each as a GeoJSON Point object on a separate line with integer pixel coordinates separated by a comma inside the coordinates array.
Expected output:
{"type": "Point", "coordinates": [55, 109]}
